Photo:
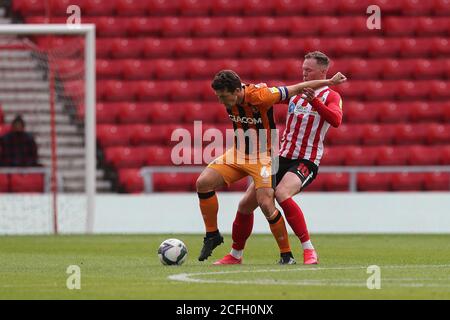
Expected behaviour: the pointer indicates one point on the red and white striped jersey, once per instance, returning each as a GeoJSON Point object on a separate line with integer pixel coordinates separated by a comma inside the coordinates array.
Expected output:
{"type": "Point", "coordinates": [306, 128]}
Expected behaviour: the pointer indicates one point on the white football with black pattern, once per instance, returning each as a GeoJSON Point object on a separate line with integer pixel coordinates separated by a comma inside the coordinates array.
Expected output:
{"type": "Point", "coordinates": [172, 252]}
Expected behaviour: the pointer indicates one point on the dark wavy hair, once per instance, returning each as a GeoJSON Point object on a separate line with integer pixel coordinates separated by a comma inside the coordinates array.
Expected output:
{"type": "Point", "coordinates": [226, 80]}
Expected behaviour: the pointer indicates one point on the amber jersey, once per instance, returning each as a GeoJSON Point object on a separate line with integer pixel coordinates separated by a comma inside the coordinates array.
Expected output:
{"type": "Point", "coordinates": [253, 120]}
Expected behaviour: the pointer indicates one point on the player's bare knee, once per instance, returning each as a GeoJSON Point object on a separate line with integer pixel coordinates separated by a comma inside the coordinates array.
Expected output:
{"type": "Point", "coordinates": [245, 207]}
{"type": "Point", "coordinates": [203, 184]}
{"type": "Point", "coordinates": [267, 206]}
{"type": "Point", "coordinates": [282, 194]}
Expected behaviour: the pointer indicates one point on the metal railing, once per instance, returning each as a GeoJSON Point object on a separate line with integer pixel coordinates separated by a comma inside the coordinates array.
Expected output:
{"type": "Point", "coordinates": [147, 172]}
{"type": "Point", "coordinates": [35, 170]}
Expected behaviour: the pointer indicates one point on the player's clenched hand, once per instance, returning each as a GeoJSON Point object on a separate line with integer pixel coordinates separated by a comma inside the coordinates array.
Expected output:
{"type": "Point", "coordinates": [338, 78]}
{"type": "Point", "coordinates": [309, 94]}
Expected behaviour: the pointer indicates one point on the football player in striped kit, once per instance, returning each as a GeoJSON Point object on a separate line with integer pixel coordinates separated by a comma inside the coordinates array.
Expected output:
{"type": "Point", "coordinates": [310, 115]}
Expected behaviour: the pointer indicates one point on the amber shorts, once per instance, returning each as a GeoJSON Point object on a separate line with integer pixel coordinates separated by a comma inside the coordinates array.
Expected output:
{"type": "Point", "coordinates": [232, 168]}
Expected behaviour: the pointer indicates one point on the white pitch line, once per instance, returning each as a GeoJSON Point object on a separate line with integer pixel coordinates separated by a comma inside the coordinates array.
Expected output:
{"type": "Point", "coordinates": [192, 277]}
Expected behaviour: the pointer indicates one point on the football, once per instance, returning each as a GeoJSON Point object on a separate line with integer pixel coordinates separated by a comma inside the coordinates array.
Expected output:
{"type": "Point", "coordinates": [172, 252]}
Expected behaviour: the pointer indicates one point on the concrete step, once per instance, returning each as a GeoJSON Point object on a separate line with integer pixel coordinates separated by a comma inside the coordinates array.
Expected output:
{"type": "Point", "coordinates": [19, 55]}
{"type": "Point", "coordinates": [24, 97]}
{"type": "Point", "coordinates": [9, 75]}
{"type": "Point", "coordinates": [75, 141]}
{"type": "Point", "coordinates": [29, 85]}
{"type": "Point", "coordinates": [62, 152]}
{"type": "Point", "coordinates": [45, 130]}
{"type": "Point", "coordinates": [36, 118]}
{"type": "Point", "coordinates": [16, 64]}
{"type": "Point", "coordinates": [32, 107]}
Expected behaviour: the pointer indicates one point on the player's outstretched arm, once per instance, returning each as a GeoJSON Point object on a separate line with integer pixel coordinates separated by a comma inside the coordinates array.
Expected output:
{"type": "Point", "coordinates": [296, 89]}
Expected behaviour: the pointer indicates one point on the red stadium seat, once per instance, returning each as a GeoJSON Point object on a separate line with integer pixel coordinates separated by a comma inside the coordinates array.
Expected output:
{"type": "Point", "coordinates": [439, 90]}
{"type": "Point", "coordinates": [336, 181]}
{"type": "Point", "coordinates": [124, 157]}
{"type": "Point", "coordinates": [413, 90]}
{"type": "Point", "coordinates": [425, 112]}
{"type": "Point", "coordinates": [356, 89]}
{"type": "Point", "coordinates": [358, 112]}
{"type": "Point", "coordinates": [440, 47]}
{"type": "Point", "coordinates": [208, 27]}
{"type": "Point", "coordinates": [432, 26]}
{"type": "Point", "coordinates": [423, 156]}
{"type": "Point", "coordinates": [391, 112]}
{"type": "Point", "coordinates": [407, 181]}
{"type": "Point", "coordinates": [358, 156]}
{"type": "Point", "coordinates": [290, 7]}
{"type": "Point", "coordinates": [355, 7]}
{"type": "Point", "coordinates": [345, 134]}
{"type": "Point", "coordinates": [335, 27]}
{"type": "Point", "coordinates": [268, 69]}
{"type": "Point", "coordinates": [374, 134]}
{"type": "Point", "coordinates": [32, 183]}
{"type": "Point", "coordinates": [27, 182]}
{"type": "Point", "coordinates": [391, 156]}
{"type": "Point", "coordinates": [428, 69]}
{"type": "Point", "coordinates": [200, 69]}
{"type": "Point", "coordinates": [176, 27]}
{"type": "Point", "coordinates": [111, 135]}
{"type": "Point", "coordinates": [133, 113]}
{"type": "Point", "coordinates": [103, 48]}
{"type": "Point", "coordinates": [167, 69]}
{"type": "Point", "coordinates": [388, 7]}
{"type": "Point", "coordinates": [166, 113]}
{"type": "Point", "coordinates": [271, 26]}
{"type": "Point", "coordinates": [107, 112]}
{"type": "Point", "coordinates": [158, 156]}
{"type": "Point", "coordinates": [200, 112]}
{"type": "Point", "coordinates": [59, 7]}
{"type": "Point", "coordinates": [195, 7]}
{"type": "Point", "coordinates": [437, 181]}
{"type": "Point", "coordinates": [255, 48]}
{"type": "Point", "coordinates": [445, 155]}
{"type": "Point", "coordinates": [164, 7]}
{"type": "Point", "coordinates": [398, 69]}
{"type": "Point", "coordinates": [287, 47]}
{"type": "Point", "coordinates": [410, 134]}
{"type": "Point", "coordinates": [240, 27]}
{"type": "Point", "coordinates": [373, 181]}
{"type": "Point", "coordinates": [363, 68]}
{"type": "Point", "coordinates": [415, 47]}
{"type": "Point", "coordinates": [380, 90]}
{"type": "Point", "coordinates": [187, 47]}
{"type": "Point", "coordinates": [303, 26]}
{"type": "Point", "coordinates": [186, 91]}
{"type": "Point", "coordinates": [122, 48]}
{"type": "Point", "coordinates": [145, 26]}
{"type": "Point", "coordinates": [100, 7]}
{"type": "Point", "coordinates": [151, 90]}
{"type": "Point", "coordinates": [359, 26]}
{"type": "Point", "coordinates": [158, 48]}
{"type": "Point", "coordinates": [109, 26]}
{"type": "Point", "coordinates": [29, 7]}
{"type": "Point", "coordinates": [395, 26]}
{"type": "Point", "coordinates": [441, 7]}
{"type": "Point", "coordinates": [352, 47]}
{"type": "Point", "coordinates": [149, 134]}
{"type": "Point", "coordinates": [135, 69]}
{"type": "Point", "coordinates": [107, 69]}
{"type": "Point", "coordinates": [417, 8]}
{"type": "Point", "coordinates": [438, 134]}
{"type": "Point", "coordinates": [174, 182]}
{"type": "Point", "coordinates": [227, 7]}
{"type": "Point", "coordinates": [321, 7]}
{"type": "Point", "coordinates": [132, 7]}
{"type": "Point", "coordinates": [333, 156]}
{"type": "Point", "coordinates": [258, 8]}
{"type": "Point", "coordinates": [131, 180]}
{"type": "Point", "coordinates": [4, 183]}
{"type": "Point", "coordinates": [119, 90]}
{"type": "Point", "coordinates": [383, 47]}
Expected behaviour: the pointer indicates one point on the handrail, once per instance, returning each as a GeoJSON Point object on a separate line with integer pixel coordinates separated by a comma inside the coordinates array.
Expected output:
{"type": "Point", "coordinates": [147, 172]}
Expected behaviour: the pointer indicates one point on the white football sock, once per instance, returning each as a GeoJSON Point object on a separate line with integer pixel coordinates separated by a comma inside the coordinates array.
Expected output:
{"type": "Point", "coordinates": [237, 253]}
{"type": "Point", "coordinates": [307, 245]}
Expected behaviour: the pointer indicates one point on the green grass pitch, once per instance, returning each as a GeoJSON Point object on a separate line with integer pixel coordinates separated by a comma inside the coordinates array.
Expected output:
{"type": "Point", "coordinates": [127, 267]}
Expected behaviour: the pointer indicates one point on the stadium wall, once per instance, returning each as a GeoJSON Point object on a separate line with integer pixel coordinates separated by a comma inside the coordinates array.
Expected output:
{"type": "Point", "coordinates": [179, 213]}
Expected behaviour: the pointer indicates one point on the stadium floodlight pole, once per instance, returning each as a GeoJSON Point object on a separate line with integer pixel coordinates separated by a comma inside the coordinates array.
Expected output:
{"type": "Point", "coordinates": [88, 31]}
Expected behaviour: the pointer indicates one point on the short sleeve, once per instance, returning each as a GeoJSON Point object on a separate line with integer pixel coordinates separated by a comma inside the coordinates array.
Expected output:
{"type": "Point", "coordinates": [268, 96]}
